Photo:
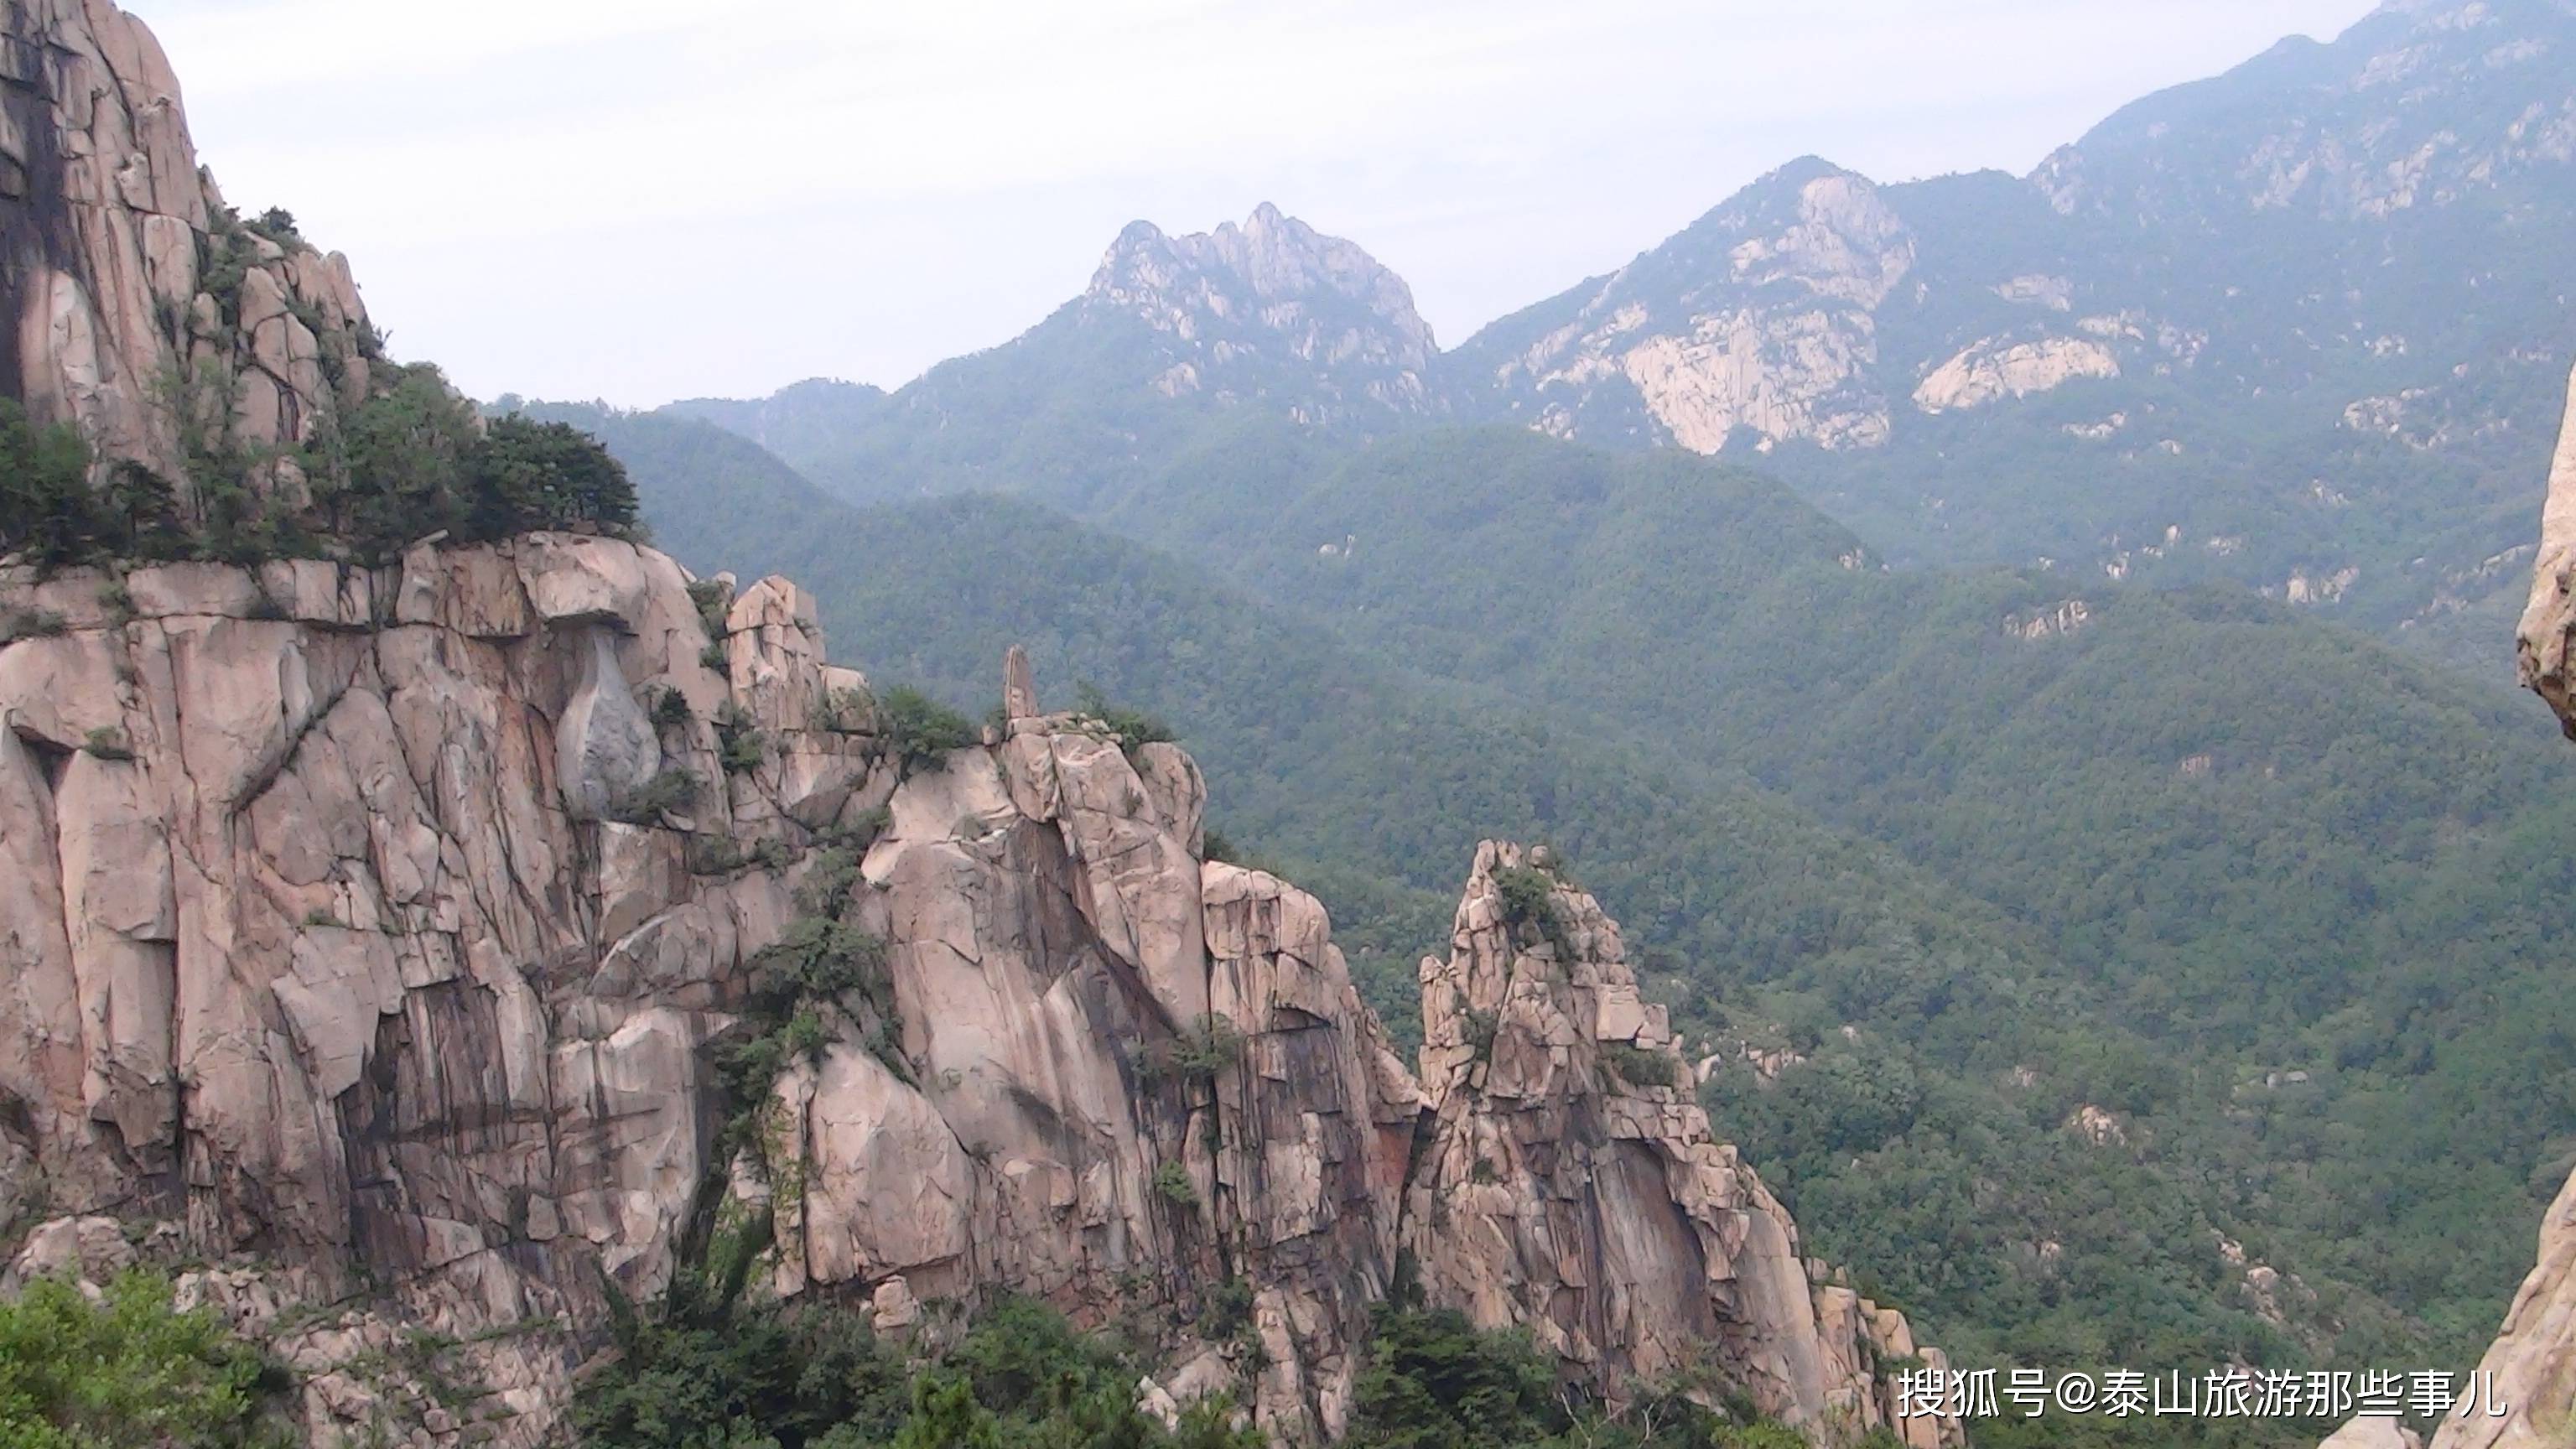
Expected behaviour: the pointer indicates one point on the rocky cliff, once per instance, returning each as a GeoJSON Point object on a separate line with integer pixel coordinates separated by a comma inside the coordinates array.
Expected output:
{"type": "Point", "coordinates": [2533, 1359]}
{"type": "Point", "coordinates": [376, 936]}
{"type": "Point", "coordinates": [1569, 1182]}
{"type": "Point", "coordinates": [133, 301]}
{"type": "Point", "coordinates": [2549, 619]}
{"type": "Point", "coordinates": [430, 959]}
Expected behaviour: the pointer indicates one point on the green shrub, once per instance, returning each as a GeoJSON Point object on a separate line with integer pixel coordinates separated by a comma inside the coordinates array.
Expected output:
{"type": "Point", "coordinates": [526, 474]}
{"type": "Point", "coordinates": [413, 460]}
{"type": "Point", "coordinates": [1132, 728]}
{"type": "Point", "coordinates": [1433, 1379]}
{"type": "Point", "coordinates": [668, 791]}
{"type": "Point", "coordinates": [410, 461]}
{"type": "Point", "coordinates": [819, 956]}
{"type": "Point", "coordinates": [1639, 1066]}
{"type": "Point", "coordinates": [920, 731]}
{"type": "Point", "coordinates": [20, 624]}
{"type": "Point", "coordinates": [278, 225]}
{"type": "Point", "coordinates": [129, 1372]}
{"type": "Point", "coordinates": [671, 710]}
{"type": "Point", "coordinates": [1198, 1053]}
{"type": "Point", "coordinates": [740, 744]}
{"type": "Point", "coordinates": [117, 600]}
{"type": "Point", "coordinates": [46, 510]}
{"type": "Point", "coordinates": [1481, 1026]}
{"type": "Point", "coordinates": [1529, 904]}
{"type": "Point", "coordinates": [1226, 1310]}
{"type": "Point", "coordinates": [861, 830]}
{"type": "Point", "coordinates": [819, 960]}
{"type": "Point", "coordinates": [716, 855]}
{"type": "Point", "coordinates": [713, 599]}
{"type": "Point", "coordinates": [107, 742]}
{"type": "Point", "coordinates": [1172, 1184]}
{"type": "Point", "coordinates": [844, 711]}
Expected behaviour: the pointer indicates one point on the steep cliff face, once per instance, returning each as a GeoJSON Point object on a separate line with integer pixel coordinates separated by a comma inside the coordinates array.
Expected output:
{"type": "Point", "coordinates": [2549, 619]}
{"type": "Point", "coordinates": [2533, 1359]}
{"type": "Point", "coordinates": [317, 950]}
{"type": "Point", "coordinates": [1570, 1183]}
{"type": "Point", "coordinates": [2532, 1364]}
{"type": "Point", "coordinates": [360, 941]}
{"type": "Point", "coordinates": [1760, 316]}
{"type": "Point", "coordinates": [132, 300]}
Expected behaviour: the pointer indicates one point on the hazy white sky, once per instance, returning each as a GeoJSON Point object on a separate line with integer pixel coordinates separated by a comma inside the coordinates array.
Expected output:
{"type": "Point", "coordinates": [648, 199]}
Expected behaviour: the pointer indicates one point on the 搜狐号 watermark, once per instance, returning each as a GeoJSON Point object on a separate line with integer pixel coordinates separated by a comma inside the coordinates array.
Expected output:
{"type": "Point", "coordinates": [2223, 1393]}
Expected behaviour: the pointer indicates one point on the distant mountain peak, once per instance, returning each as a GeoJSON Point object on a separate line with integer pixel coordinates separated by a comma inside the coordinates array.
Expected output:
{"type": "Point", "coordinates": [1272, 287]}
{"type": "Point", "coordinates": [1272, 259]}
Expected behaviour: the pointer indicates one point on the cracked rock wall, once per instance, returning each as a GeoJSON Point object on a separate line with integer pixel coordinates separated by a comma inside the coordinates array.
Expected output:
{"type": "Point", "coordinates": [131, 303]}
{"type": "Point", "coordinates": [312, 943]}
{"type": "Point", "coordinates": [340, 947]}
{"type": "Point", "coordinates": [1571, 1185]}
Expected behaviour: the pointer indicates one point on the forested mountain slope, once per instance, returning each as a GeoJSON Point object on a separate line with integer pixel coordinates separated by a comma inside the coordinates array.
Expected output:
{"type": "Point", "coordinates": [2245, 964]}
{"type": "Point", "coordinates": [2278, 846]}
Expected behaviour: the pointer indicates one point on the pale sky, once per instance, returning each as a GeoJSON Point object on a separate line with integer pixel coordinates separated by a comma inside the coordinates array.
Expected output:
{"type": "Point", "coordinates": [648, 199]}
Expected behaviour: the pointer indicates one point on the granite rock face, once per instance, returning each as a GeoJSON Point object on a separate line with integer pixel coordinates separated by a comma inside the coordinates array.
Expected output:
{"type": "Point", "coordinates": [359, 942]}
{"type": "Point", "coordinates": [1570, 1183]}
{"type": "Point", "coordinates": [132, 301]}
{"type": "Point", "coordinates": [2549, 619]}
{"type": "Point", "coordinates": [2532, 1363]}
{"type": "Point", "coordinates": [317, 948]}
{"type": "Point", "coordinates": [2533, 1359]}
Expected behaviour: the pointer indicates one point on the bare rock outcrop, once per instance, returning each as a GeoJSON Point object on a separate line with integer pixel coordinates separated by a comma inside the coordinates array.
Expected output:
{"type": "Point", "coordinates": [1570, 1183]}
{"type": "Point", "coordinates": [2549, 619]}
{"type": "Point", "coordinates": [318, 948]}
{"type": "Point", "coordinates": [2531, 1367]}
{"type": "Point", "coordinates": [372, 935]}
{"type": "Point", "coordinates": [2533, 1359]}
{"type": "Point", "coordinates": [1760, 317]}
{"type": "Point", "coordinates": [133, 301]}
{"type": "Point", "coordinates": [1272, 308]}
{"type": "Point", "coordinates": [1125, 1077]}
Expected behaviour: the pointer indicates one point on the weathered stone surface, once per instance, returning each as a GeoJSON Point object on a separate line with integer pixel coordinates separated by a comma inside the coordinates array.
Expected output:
{"type": "Point", "coordinates": [1993, 368]}
{"type": "Point", "coordinates": [2549, 620]}
{"type": "Point", "coordinates": [604, 748]}
{"type": "Point", "coordinates": [1120, 1070]}
{"type": "Point", "coordinates": [1570, 1183]}
{"type": "Point", "coordinates": [314, 948]}
{"type": "Point", "coordinates": [2532, 1363]}
{"type": "Point", "coordinates": [309, 946]}
{"type": "Point", "coordinates": [102, 304]}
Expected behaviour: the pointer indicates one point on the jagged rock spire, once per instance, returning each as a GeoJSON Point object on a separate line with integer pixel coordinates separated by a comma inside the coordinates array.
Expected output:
{"type": "Point", "coordinates": [1570, 1183]}
{"type": "Point", "coordinates": [1019, 685]}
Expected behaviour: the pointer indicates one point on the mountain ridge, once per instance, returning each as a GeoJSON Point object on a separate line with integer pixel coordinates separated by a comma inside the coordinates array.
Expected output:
{"type": "Point", "coordinates": [2116, 365]}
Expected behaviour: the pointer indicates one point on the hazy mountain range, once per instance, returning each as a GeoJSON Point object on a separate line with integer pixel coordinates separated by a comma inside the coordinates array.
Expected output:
{"type": "Point", "coordinates": [2296, 327]}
